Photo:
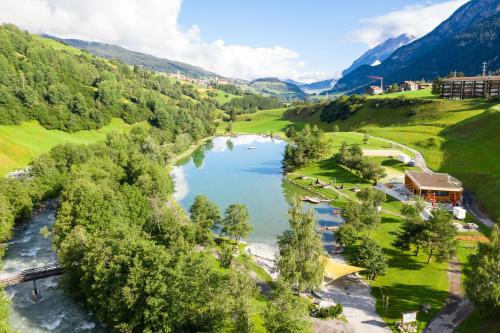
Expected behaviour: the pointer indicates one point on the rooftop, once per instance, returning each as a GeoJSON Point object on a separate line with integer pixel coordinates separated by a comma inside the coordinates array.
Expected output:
{"type": "Point", "coordinates": [435, 181]}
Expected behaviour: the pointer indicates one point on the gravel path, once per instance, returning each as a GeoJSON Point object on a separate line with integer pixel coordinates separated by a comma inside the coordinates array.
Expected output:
{"type": "Point", "coordinates": [457, 307]}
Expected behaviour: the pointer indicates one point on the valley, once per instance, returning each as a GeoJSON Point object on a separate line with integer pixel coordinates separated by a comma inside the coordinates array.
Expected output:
{"type": "Point", "coordinates": [174, 181]}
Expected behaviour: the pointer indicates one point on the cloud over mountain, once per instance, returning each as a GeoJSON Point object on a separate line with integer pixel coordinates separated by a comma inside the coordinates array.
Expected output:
{"type": "Point", "coordinates": [416, 20]}
{"type": "Point", "coordinates": [151, 26]}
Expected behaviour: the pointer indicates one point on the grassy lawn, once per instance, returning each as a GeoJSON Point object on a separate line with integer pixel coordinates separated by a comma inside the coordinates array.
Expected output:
{"type": "Point", "coordinates": [19, 144]}
{"type": "Point", "coordinates": [424, 93]}
{"type": "Point", "coordinates": [409, 281]}
{"type": "Point", "coordinates": [264, 122]}
{"type": "Point", "coordinates": [467, 144]}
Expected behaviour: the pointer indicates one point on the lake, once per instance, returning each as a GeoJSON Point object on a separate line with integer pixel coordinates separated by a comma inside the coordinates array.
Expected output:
{"type": "Point", "coordinates": [244, 169]}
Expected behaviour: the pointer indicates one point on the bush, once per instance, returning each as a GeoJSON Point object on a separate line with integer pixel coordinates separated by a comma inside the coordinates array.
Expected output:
{"type": "Point", "coordinates": [328, 312]}
{"type": "Point", "coordinates": [342, 108]}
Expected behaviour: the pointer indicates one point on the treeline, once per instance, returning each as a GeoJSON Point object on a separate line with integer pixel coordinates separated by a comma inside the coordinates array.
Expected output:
{"type": "Point", "coordinates": [228, 88]}
{"type": "Point", "coordinates": [339, 109]}
{"type": "Point", "coordinates": [251, 104]}
{"type": "Point", "coordinates": [73, 90]}
{"type": "Point", "coordinates": [129, 257]}
{"type": "Point", "coordinates": [352, 158]}
{"type": "Point", "coordinates": [304, 146]}
{"type": "Point", "coordinates": [360, 218]}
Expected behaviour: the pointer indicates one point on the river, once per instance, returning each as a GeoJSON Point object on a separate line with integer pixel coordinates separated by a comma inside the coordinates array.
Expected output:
{"type": "Point", "coordinates": [55, 312]}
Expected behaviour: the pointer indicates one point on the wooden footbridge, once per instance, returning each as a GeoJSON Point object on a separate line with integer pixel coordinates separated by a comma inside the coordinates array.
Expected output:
{"type": "Point", "coordinates": [31, 275]}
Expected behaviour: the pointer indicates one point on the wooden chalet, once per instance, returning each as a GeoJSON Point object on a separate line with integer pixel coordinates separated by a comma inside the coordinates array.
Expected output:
{"type": "Point", "coordinates": [471, 87]}
{"type": "Point", "coordinates": [437, 187]}
{"type": "Point", "coordinates": [408, 86]}
{"type": "Point", "coordinates": [374, 90]}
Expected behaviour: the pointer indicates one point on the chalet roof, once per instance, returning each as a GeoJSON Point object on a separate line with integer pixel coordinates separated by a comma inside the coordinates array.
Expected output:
{"type": "Point", "coordinates": [409, 82]}
{"type": "Point", "coordinates": [474, 78]}
{"type": "Point", "coordinates": [435, 181]}
{"type": "Point", "coordinates": [374, 88]}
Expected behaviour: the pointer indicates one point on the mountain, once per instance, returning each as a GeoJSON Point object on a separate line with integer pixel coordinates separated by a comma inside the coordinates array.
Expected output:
{"type": "Point", "coordinates": [462, 42]}
{"type": "Point", "coordinates": [379, 53]}
{"type": "Point", "coordinates": [275, 87]}
{"type": "Point", "coordinates": [314, 87]}
{"type": "Point", "coordinates": [136, 58]}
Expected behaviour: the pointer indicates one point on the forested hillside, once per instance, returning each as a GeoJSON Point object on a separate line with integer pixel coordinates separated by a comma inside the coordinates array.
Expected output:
{"type": "Point", "coordinates": [137, 59]}
{"type": "Point", "coordinates": [130, 258]}
{"type": "Point", "coordinates": [66, 89]}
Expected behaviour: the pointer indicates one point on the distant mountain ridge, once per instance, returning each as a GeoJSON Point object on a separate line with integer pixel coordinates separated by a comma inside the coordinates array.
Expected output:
{"type": "Point", "coordinates": [275, 87]}
{"type": "Point", "coordinates": [314, 87]}
{"type": "Point", "coordinates": [119, 53]}
{"type": "Point", "coordinates": [462, 42]}
{"type": "Point", "coordinates": [380, 52]}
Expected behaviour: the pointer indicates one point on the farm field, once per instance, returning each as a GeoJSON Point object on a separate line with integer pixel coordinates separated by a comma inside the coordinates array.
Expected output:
{"type": "Point", "coordinates": [19, 144]}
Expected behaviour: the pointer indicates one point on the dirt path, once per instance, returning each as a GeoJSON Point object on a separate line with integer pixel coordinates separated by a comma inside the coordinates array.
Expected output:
{"type": "Point", "coordinates": [457, 306]}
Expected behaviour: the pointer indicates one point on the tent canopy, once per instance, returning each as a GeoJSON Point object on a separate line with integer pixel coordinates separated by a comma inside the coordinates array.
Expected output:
{"type": "Point", "coordinates": [335, 270]}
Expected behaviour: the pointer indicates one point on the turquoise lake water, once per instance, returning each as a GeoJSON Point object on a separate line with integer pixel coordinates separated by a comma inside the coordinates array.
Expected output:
{"type": "Point", "coordinates": [227, 171]}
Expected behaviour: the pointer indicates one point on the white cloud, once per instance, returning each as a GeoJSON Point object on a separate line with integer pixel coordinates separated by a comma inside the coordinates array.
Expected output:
{"type": "Point", "coordinates": [151, 26]}
{"type": "Point", "coordinates": [416, 20]}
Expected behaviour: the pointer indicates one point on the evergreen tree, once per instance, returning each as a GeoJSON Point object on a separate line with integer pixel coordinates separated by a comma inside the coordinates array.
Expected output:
{"type": "Point", "coordinates": [439, 236]}
{"type": "Point", "coordinates": [285, 313]}
{"type": "Point", "coordinates": [413, 228]}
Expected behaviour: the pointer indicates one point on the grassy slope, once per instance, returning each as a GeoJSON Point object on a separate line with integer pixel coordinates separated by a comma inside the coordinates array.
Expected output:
{"type": "Point", "coordinates": [424, 93]}
{"type": "Point", "coordinates": [19, 144]}
{"type": "Point", "coordinates": [264, 122]}
{"type": "Point", "coordinates": [466, 132]}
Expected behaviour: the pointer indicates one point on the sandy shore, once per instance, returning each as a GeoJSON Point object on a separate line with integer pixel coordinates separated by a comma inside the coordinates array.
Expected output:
{"type": "Point", "coordinates": [264, 255]}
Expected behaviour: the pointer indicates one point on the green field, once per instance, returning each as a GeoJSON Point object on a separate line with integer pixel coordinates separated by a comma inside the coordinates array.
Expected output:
{"type": "Point", "coordinates": [19, 144]}
{"type": "Point", "coordinates": [264, 122]}
{"type": "Point", "coordinates": [424, 93]}
{"type": "Point", "coordinates": [465, 133]}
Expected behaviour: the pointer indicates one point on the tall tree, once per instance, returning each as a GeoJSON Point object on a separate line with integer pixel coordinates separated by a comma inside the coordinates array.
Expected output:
{"type": "Point", "coordinates": [439, 235]}
{"type": "Point", "coordinates": [370, 256]}
{"type": "Point", "coordinates": [413, 228]}
{"type": "Point", "coordinates": [305, 146]}
{"type": "Point", "coordinates": [301, 259]}
{"type": "Point", "coordinates": [483, 278]}
{"type": "Point", "coordinates": [204, 214]}
{"type": "Point", "coordinates": [235, 223]}
{"type": "Point", "coordinates": [285, 313]}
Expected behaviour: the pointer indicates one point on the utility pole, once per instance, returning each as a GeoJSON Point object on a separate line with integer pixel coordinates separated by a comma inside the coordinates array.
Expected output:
{"type": "Point", "coordinates": [484, 68]}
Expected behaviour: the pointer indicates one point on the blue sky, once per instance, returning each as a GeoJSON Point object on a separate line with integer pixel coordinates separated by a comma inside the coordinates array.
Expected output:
{"type": "Point", "coordinates": [298, 39]}
{"type": "Point", "coordinates": [319, 32]}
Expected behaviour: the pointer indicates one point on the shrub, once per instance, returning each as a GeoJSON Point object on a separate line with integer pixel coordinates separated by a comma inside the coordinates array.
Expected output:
{"type": "Point", "coordinates": [328, 312]}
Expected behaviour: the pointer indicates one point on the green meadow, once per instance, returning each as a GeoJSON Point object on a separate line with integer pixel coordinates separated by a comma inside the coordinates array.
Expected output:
{"type": "Point", "coordinates": [19, 144]}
